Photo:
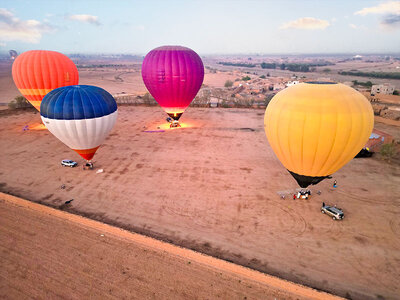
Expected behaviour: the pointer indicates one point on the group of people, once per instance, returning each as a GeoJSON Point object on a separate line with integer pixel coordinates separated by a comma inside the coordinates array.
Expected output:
{"type": "Point", "coordinates": [302, 194]}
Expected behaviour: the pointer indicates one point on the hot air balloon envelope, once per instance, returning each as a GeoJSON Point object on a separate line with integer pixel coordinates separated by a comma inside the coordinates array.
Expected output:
{"type": "Point", "coordinates": [315, 128]}
{"type": "Point", "coordinates": [173, 75]}
{"type": "Point", "coordinates": [13, 54]}
{"type": "Point", "coordinates": [37, 72]}
{"type": "Point", "coordinates": [80, 116]}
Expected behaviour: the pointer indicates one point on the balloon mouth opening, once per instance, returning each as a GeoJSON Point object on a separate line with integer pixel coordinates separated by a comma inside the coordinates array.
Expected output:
{"type": "Point", "coordinates": [321, 82]}
{"type": "Point", "coordinates": [175, 115]}
{"type": "Point", "coordinates": [86, 154]}
{"type": "Point", "coordinates": [304, 181]}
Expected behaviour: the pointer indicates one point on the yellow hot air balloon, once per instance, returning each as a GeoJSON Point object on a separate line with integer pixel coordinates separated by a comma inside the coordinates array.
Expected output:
{"type": "Point", "coordinates": [315, 128]}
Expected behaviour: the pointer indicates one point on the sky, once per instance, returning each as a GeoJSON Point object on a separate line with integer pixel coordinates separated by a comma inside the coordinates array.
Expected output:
{"type": "Point", "coordinates": [208, 27]}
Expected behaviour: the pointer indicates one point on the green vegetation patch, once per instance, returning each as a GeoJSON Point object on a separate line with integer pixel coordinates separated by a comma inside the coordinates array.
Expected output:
{"type": "Point", "coordinates": [385, 75]}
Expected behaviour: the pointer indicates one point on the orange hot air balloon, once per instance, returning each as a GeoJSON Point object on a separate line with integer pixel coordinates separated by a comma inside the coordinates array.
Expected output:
{"type": "Point", "coordinates": [38, 72]}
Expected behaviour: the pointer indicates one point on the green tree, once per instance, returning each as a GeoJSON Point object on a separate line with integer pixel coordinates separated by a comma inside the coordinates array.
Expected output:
{"type": "Point", "coordinates": [228, 83]}
{"type": "Point", "coordinates": [268, 65]}
{"type": "Point", "coordinates": [395, 92]}
{"type": "Point", "coordinates": [246, 78]}
{"type": "Point", "coordinates": [19, 102]}
{"type": "Point", "coordinates": [263, 77]}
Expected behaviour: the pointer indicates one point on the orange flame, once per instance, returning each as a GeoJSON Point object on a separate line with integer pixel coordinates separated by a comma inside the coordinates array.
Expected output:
{"type": "Point", "coordinates": [37, 126]}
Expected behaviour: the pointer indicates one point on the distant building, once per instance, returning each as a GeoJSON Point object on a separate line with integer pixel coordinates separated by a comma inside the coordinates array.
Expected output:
{"type": "Point", "coordinates": [294, 82]}
{"type": "Point", "coordinates": [214, 102]}
{"type": "Point", "coordinates": [382, 89]}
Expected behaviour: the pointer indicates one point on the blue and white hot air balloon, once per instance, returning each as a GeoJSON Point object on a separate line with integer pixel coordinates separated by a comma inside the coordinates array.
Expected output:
{"type": "Point", "coordinates": [80, 116]}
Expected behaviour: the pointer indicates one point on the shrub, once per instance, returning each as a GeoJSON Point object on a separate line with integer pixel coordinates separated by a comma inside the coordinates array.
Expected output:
{"type": "Point", "coordinates": [388, 151]}
{"type": "Point", "coordinates": [148, 99]}
{"type": "Point", "coordinates": [246, 78]}
{"type": "Point", "coordinates": [228, 83]}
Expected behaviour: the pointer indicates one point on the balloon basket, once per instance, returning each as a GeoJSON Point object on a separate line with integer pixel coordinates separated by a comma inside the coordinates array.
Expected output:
{"type": "Point", "coordinates": [88, 165]}
{"type": "Point", "coordinates": [174, 124]}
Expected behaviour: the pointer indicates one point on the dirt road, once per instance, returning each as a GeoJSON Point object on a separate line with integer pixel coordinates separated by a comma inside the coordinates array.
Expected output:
{"type": "Point", "coordinates": [47, 254]}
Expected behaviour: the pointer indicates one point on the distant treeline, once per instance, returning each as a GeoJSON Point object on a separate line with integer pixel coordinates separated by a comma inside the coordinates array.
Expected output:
{"type": "Point", "coordinates": [290, 67]}
{"type": "Point", "coordinates": [385, 75]}
{"type": "Point", "coordinates": [366, 84]}
{"type": "Point", "coordinates": [100, 66]}
{"type": "Point", "coordinates": [304, 67]}
{"type": "Point", "coordinates": [237, 64]}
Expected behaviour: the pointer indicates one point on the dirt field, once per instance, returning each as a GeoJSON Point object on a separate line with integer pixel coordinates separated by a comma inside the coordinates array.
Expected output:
{"type": "Point", "coordinates": [47, 253]}
{"type": "Point", "coordinates": [391, 127]}
{"type": "Point", "coordinates": [212, 186]}
{"type": "Point", "coordinates": [127, 79]}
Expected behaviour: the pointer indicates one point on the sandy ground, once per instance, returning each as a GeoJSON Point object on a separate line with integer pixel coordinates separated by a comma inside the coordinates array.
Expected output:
{"type": "Point", "coordinates": [47, 253]}
{"type": "Point", "coordinates": [391, 127]}
{"type": "Point", "coordinates": [115, 80]}
{"type": "Point", "coordinates": [213, 186]}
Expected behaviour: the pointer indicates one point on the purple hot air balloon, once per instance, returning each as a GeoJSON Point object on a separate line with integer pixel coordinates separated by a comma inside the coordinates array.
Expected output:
{"type": "Point", "coordinates": [173, 75]}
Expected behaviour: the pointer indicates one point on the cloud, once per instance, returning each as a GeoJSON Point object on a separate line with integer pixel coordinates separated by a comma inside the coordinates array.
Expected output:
{"type": "Point", "coordinates": [390, 10]}
{"type": "Point", "coordinates": [85, 18]}
{"type": "Point", "coordinates": [306, 23]}
{"type": "Point", "coordinates": [391, 7]}
{"type": "Point", "coordinates": [391, 20]}
{"type": "Point", "coordinates": [353, 26]}
{"type": "Point", "coordinates": [14, 29]}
